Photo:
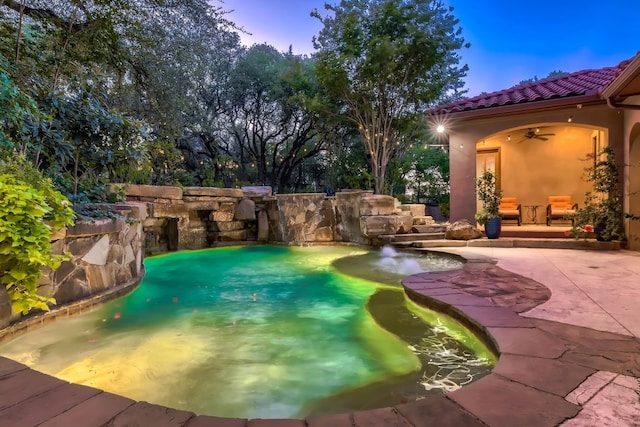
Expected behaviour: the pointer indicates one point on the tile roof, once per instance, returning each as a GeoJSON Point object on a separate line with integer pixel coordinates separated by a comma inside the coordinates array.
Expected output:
{"type": "Point", "coordinates": [586, 82]}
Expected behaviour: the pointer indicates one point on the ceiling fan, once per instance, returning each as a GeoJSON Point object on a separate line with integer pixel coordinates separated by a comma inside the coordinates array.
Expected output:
{"type": "Point", "coordinates": [534, 133]}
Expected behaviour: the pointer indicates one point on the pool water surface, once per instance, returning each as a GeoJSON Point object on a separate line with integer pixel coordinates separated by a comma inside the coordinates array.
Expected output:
{"type": "Point", "coordinates": [260, 332]}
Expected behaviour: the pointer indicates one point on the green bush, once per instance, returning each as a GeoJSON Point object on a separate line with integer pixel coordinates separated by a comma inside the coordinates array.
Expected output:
{"type": "Point", "coordinates": [602, 209]}
{"type": "Point", "coordinates": [490, 196]}
{"type": "Point", "coordinates": [445, 208]}
{"type": "Point", "coordinates": [28, 210]}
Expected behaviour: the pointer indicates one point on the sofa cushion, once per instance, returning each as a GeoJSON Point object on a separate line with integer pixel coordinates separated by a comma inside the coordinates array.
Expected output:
{"type": "Point", "coordinates": [508, 203]}
{"type": "Point", "coordinates": [562, 212]}
{"type": "Point", "coordinates": [561, 203]}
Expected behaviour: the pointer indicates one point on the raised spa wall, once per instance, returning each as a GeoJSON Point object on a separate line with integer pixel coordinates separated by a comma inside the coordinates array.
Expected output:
{"type": "Point", "coordinates": [106, 256]}
{"type": "Point", "coordinates": [201, 217]}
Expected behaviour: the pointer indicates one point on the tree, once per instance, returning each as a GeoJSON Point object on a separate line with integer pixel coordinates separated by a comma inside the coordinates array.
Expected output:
{"type": "Point", "coordinates": [100, 71]}
{"type": "Point", "coordinates": [602, 209]}
{"type": "Point", "coordinates": [180, 64]}
{"type": "Point", "coordinates": [266, 126]}
{"type": "Point", "coordinates": [426, 170]}
{"type": "Point", "coordinates": [71, 136]}
{"type": "Point", "coordinates": [19, 116]}
{"type": "Point", "coordinates": [64, 40]}
{"type": "Point", "coordinates": [535, 79]}
{"type": "Point", "coordinates": [383, 62]}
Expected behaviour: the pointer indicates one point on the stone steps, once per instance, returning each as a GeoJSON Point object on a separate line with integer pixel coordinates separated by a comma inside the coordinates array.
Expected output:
{"type": "Point", "coordinates": [438, 243]}
{"type": "Point", "coordinates": [411, 237]}
{"type": "Point", "coordinates": [431, 228]}
{"type": "Point", "coordinates": [423, 220]}
{"type": "Point", "coordinates": [543, 243]}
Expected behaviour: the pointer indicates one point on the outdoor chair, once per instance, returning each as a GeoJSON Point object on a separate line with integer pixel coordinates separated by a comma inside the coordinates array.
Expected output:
{"type": "Point", "coordinates": [561, 207]}
{"type": "Point", "coordinates": [510, 209]}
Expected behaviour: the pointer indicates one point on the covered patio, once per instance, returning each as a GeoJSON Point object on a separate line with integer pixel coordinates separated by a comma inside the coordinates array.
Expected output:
{"type": "Point", "coordinates": [540, 137]}
{"type": "Point", "coordinates": [540, 230]}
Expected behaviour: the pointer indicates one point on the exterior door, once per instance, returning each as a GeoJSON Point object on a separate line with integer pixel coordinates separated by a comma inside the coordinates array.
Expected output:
{"type": "Point", "coordinates": [487, 160]}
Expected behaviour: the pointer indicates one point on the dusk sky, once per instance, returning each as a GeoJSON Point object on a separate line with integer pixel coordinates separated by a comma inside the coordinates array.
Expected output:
{"type": "Point", "coordinates": [511, 40]}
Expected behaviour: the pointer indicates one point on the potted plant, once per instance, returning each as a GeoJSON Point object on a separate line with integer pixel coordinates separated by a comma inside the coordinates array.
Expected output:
{"type": "Point", "coordinates": [490, 196]}
{"type": "Point", "coordinates": [602, 209]}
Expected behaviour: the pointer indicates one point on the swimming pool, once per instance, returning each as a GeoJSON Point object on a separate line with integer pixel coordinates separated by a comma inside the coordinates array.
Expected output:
{"type": "Point", "coordinates": [261, 331]}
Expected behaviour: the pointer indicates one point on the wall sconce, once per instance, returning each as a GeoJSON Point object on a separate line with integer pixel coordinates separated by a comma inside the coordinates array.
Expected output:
{"type": "Point", "coordinates": [508, 137]}
{"type": "Point", "coordinates": [570, 119]}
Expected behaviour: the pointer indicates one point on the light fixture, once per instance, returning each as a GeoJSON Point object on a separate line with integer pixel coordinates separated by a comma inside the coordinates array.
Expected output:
{"type": "Point", "coordinates": [440, 125]}
{"type": "Point", "coordinates": [537, 130]}
{"type": "Point", "coordinates": [570, 119]}
{"type": "Point", "coordinates": [508, 137]}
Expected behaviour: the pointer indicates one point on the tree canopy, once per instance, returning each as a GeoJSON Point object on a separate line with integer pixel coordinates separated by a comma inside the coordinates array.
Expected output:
{"type": "Point", "coordinates": [383, 62]}
{"type": "Point", "coordinates": [534, 79]}
{"type": "Point", "coordinates": [162, 92]}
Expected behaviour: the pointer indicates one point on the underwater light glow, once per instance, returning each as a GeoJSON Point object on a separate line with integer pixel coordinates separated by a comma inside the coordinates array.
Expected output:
{"type": "Point", "coordinates": [258, 332]}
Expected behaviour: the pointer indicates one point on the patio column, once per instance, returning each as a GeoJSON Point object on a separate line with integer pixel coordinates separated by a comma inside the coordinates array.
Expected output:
{"type": "Point", "coordinates": [462, 164]}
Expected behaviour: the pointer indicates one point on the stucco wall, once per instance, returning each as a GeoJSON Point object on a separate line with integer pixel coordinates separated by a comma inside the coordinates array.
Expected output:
{"type": "Point", "coordinates": [632, 172]}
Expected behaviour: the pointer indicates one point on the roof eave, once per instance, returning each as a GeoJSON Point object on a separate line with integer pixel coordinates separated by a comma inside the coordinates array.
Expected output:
{"type": "Point", "coordinates": [631, 72]}
{"type": "Point", "coordinates": [527, 107]}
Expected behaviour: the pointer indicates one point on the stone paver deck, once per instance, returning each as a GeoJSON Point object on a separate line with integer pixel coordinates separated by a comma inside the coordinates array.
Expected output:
{"type": "Point", "coordinates": [566, 324]}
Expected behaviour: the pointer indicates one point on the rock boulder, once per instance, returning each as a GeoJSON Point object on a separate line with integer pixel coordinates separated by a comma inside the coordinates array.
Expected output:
{"type": "Point", "coordinates": [245, 210]}
{"type": "Point", "coordinates": [462, 230]}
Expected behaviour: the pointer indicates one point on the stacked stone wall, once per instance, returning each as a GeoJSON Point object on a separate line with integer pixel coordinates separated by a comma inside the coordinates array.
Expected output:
{"type": "Point", "coordinates": [301, 218]}
{"type": "Point", "coordinates": [193, 217]}
{"type": "Point", "coordinates": [103, 255]}
{"type": "Point", "coordinates": [201, 217]}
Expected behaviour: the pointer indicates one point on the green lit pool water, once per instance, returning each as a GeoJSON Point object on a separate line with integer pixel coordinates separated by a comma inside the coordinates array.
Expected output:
{"type": "Point", "coordinates": [260, 331]}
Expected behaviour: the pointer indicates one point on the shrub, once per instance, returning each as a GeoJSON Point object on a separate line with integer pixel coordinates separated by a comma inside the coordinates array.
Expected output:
{"type": "Point", "coordinates": [28, 210]}
{"type": "Point", "coordinates": [603, 205]}
{"type": "Point", "coordinates": [490, 196]}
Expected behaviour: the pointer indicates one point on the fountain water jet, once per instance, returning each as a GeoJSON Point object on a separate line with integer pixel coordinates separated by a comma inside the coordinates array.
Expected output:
{"type": "Point", "coordinates": [394, 262]}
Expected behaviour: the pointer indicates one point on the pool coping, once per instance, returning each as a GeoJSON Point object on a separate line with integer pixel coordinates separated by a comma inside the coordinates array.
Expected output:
{"type": "Point", "coordinates": [38, 320]}
{"type": "Point", "coordinates": [528, 386]}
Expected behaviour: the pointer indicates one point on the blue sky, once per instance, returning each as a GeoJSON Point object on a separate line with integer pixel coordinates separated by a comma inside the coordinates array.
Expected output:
{"type": "Point", "coordinates": [511, 40]}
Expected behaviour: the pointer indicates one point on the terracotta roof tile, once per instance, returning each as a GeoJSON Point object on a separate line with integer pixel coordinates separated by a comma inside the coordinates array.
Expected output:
{"type": "Point", "coordinates": [584, 82]}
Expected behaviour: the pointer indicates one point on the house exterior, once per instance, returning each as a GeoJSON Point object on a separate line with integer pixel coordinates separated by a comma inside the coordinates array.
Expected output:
{"type": "Point", "coordinates": [540, 137]}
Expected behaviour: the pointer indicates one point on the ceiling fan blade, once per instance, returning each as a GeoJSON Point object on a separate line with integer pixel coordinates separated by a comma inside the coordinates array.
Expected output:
{"type": "Point", "coordinates": [542, 138]}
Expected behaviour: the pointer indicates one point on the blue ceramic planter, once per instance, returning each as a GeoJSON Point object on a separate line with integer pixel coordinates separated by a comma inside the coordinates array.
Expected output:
{"type": "Point", "coordinates": [492, 228]}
